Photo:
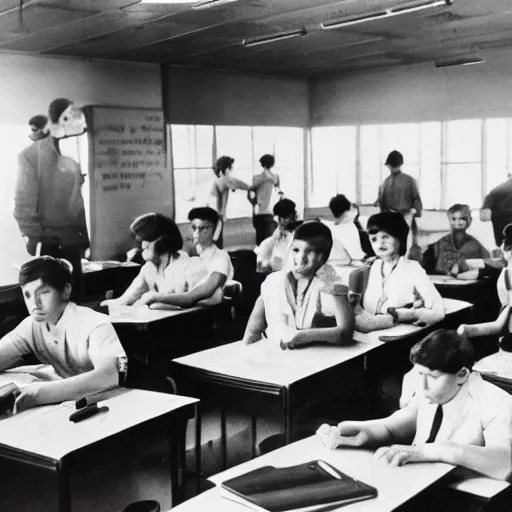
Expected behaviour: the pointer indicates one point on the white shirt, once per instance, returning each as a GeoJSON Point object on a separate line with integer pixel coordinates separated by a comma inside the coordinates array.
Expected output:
{"type": "Point", "coordinates": [406, 283]}
{"type": "Point", "coordinates": [282, 321]}
{"type": "Point", "coordinates": [345, 237]}
{"type": "Point", "coordinates": [274, 249]}
{"type": "Point", "coordinates": [500, 362]}
{"type": "Point", "coordinates": [180, 275]}
{"type": "Point", "coordinates": [217, 260]}
{"type": "Point", "coordinates": [504, 295]}
{"type": "Point", "coordinates": [68, 345]}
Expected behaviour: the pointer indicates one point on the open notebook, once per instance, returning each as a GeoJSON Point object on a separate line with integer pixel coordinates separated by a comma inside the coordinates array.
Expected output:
{"type": "Point", "coordinates": [307, 487]}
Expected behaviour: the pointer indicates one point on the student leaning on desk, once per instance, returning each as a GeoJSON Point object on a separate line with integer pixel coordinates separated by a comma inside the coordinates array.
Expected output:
{"type": "Point", "coordinates": [80, 344]}
{"type": "Point", "coordinates": [449, 413]}
{"type": "Point", "coordinates": [392, 289]}
{"type": "Point", "coordinates": [296, 305]}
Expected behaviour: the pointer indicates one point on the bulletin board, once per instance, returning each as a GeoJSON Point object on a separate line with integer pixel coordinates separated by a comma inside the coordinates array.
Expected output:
{"type": "Point", "coordinates": [128, 172]}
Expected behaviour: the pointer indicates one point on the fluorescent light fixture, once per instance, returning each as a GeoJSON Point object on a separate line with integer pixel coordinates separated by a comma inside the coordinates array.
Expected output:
{"type": "Point", "coordinates": [459, 61]}
{"type": "Point", "coordinates": [208, 4]}
{"type": "Point", "coordinates": [274, 37]}
{"type": "Point", "coordinates": [388, 13]}
{"type": "Point", "coordinates": [169, 1]}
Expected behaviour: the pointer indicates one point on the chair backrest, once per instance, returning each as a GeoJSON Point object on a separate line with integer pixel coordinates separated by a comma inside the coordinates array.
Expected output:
{"type": "Point", "coordinates": [501, 381]}
{"type": "Point", "coordinates": [143, 506]}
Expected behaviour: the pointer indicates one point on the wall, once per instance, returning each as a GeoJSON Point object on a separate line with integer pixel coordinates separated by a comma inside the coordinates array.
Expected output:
{"type": "Point", "coordinates": [207, 97]}
{"type": "Point", "coordinates": [27, 85]}
{"type": "Point", "coordinates": [415, 93]}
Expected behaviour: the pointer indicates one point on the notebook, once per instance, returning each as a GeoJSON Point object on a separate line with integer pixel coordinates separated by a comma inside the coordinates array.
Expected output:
{"type": "Point", "coordinates": [307, 487]}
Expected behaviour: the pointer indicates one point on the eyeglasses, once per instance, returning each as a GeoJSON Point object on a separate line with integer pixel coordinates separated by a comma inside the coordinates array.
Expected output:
{"type": "Point", "coordinates": [200, 229]}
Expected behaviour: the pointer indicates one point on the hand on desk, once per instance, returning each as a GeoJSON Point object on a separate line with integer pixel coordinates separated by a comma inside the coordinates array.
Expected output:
{"type": "Point", "coordinates": [347, 433]}
{"type": "Point", "coordinates": [111, 303]}
{"type": "Point", "coordinates": [148, 298]}
{"type": "Point", "coordinates": [27, 398]}
{"type": "Point", "coordinates": [399, 454]}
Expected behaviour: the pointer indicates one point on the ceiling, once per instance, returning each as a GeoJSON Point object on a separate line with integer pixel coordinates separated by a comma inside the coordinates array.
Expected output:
{"type": "Point", "coordinates": [176, 34]}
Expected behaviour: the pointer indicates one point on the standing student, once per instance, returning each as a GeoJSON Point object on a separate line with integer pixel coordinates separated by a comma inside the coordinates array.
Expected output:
{"type": "Point", "coordinates": [497, 208]}
{"type": "Point", "coordinates": [261, 189]}
{"type": "Point", "coordinates": [80, 344]}
{"type": "Point", "coordinates": [453, 416]}
{"type": "Point", "coordinates": [48, 202]}
{"type": "Point", "coordinates": [399, 193]}
{"type": "Point", "coordinates": [222, 184]}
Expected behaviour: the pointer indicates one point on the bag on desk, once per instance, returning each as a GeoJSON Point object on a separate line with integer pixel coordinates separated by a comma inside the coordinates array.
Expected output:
{"type": "Point", "coordinates": [8, 394]}
{"type": "Point", "coordinates": [312, 486]}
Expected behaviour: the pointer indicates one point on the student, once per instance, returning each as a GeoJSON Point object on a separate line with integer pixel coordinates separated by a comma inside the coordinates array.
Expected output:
{"type": "Point", "coordinates": [346, 242]}
{"type": "Point", "coordinates": [292, 308]}
{"type": "Point", "coordinates": [223, 183]}
{"type": "Point", "coordinates": [454, 416]}
{"type": "Point", "coordinates": [261, 192]}
{"type": "Point", "coordinates": [209, 291]}
{"type": "Point", "coordinates": [272, 252]}
{"type": "Point", "coordinates": [499, 362]}
{"type": "Point", "coordinates": [497, 208]}
{"type": "Point", "coordinates": [399, 193]}
{"type": "Point", "coordinates": [393, 289]}
{"type": "Point", "coordinates": [80, 344]}
{"type": "Point", "coordinates": [448, 255]}
{"type": "Point", "coordinates": [167, 269]}
{"type": "Point", "coordinates": [38, 129]}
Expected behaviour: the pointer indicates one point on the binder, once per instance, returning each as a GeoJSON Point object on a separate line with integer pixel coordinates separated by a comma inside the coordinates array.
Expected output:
{"type": "Point", "coordinates": [311, 486]}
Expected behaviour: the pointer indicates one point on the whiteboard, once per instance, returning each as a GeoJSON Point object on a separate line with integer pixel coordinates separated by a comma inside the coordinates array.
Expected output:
{"type": "Point", "coordinates": [128, 173]}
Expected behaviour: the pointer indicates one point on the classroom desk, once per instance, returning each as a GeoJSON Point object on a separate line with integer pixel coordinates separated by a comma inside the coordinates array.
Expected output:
{"type": "Point", "coordinates": [44, 438]}
{"type": "Point", "coordinates": [395, 486]}
{"type": "Point", "coordinates": [262, 379]}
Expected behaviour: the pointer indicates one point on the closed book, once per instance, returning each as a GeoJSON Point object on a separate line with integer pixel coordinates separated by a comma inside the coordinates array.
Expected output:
{"type": "Point", "coordinates": [307, 487]}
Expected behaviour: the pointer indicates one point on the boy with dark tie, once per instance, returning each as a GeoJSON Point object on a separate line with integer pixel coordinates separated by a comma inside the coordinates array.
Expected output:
{"type": "Point", "coordinates": [451, 414]}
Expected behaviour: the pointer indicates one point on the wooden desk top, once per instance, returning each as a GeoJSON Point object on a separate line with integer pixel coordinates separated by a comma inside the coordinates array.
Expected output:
{"type": "Point", "coordinates": [47, 431]}
{"type": "Point", "coordinates": [395, 485]}
{"type": "Point", "coordinates": [145, 315]}
{"type": "Point", "coordinates": [443, 280]}
{"type": "Point", "coordinates": [265, 361]}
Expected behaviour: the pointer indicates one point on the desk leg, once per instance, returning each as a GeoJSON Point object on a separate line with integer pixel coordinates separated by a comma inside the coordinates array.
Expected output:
{"type": "Point", "coordinates": [174, 459]}
{"type": "Point", "coordinates": [223, 438]}
{"type": "Point", "coordinates": [254, 424]}
{"type": "Point", "coordinates": [62, 474]}
{"type": "Point", "coordinates": [287, 418]}
{"type": "Point", "coordinates": [198, 448]}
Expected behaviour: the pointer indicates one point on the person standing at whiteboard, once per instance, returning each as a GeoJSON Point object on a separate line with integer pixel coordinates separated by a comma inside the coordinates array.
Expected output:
{"type": "Point", "coordinates": [223, 183]}
{"type": "Point", "coordinates": [260, 195]}
{"type": "Point", "coordinates": [48, 202]}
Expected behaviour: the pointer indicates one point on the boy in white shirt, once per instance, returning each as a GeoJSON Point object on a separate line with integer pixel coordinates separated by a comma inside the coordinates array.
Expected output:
{"type": "Point", "coordinates": [80, 344]}
{"type": "Point", "coordinates": [452, 416]}
{"type": "Point", "coordinates": [298, 306]}
{"type": "Point", "coordinates": [346, 242]}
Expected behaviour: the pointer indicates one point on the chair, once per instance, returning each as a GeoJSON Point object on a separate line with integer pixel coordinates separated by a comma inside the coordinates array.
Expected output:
{"type": "Point", "coordinates": [142, 506]}
{"type": "Point", "coordinates": [501, 381]}
{"type": "Point", "coordinates": [233, 296]}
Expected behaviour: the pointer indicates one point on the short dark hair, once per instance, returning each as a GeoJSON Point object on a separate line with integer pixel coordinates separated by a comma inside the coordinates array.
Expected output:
{"type": "Point", "coordinates": [339, 204]}
{"type": "Point", "coordinates": [444, 350]}
{"type": "Point", "coordinates": [204, 213]}
{"type": "Point", "coordinates": [395, 158]}
{"type": "Point", "coordinates": [458, 207]}
{"type": "Point", "coordinates": [38, 121]}
{"type": "Point", "coordinates": [152, 227]}
{"type": "Point", "coordinates": [222, 164]}
{"type": "Point", "coordinates": [393, 223]}
{"type": "Point", "coordinates": [54, 272]}
{"type": "Point", "coordinates": [317, 234]}
{"type": "Point", "coordinates": [285, 208]}
{"type": "Point", "coordinates": [267, 161]}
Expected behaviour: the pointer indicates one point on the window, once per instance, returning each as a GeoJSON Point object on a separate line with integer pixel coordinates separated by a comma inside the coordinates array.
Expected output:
{"type": "Point", "coordinates": [462, 163]}
{"type": "Point", "coordinates": [334, 164]}
{"type": "Point", "coordinates": [195, 148]}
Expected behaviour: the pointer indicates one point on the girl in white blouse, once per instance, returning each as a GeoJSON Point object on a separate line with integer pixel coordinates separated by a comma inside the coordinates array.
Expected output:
{"type": "Point", "coordinates": [393, 289]}
{"type": "Point", "coordinates": [167, 270]}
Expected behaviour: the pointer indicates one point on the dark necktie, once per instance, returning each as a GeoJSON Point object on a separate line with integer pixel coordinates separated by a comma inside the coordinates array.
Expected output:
{"type": "Point", "coordinates": [436, 424]}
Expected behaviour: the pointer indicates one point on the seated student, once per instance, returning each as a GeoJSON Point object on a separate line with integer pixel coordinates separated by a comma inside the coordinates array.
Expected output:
{"type": "Point", "coordinates": [345, 234]}
{"type": "Point", "coordinates": [448, 255]}
{"type": "Point", "coordinates": [168, 270]}
{"type": "Point", "coordinates": [271, 253]}
{"type": "Point", "coordinates": [292, 308]}
{"type": "Point", "coordinates": [454, 415]}
{"type": "Point", "coordinates": [80, 344]}
{"type": "Point", "coordinates": [393, 289]}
